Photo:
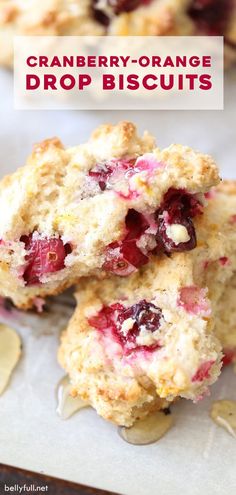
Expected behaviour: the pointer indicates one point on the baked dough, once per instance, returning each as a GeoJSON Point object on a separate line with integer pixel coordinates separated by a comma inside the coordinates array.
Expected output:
{"type": "Point", "coordinates": [225, 327]}
{"type": "Point", "coordinates": [226, 321]}
{"type": "Point", "coordinates": [136, 340]}
{"type": "Point", "coordinates": [95, 209]}
{"type": "Point", "coordinates": [44, 18]}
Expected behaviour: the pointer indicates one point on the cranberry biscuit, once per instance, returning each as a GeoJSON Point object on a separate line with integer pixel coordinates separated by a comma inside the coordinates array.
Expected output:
{"type": "Point", "coordinates": [134, 343]}
{"type": "Point", "coordinates": [44, 18]}
{"type": "Point", "coordinates": [171, 18]}
{"type": "Point", "coordinates": [99, 208]}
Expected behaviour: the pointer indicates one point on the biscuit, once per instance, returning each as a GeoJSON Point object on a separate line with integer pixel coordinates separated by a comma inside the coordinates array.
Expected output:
{"type": "Point", "coordinates": [99, 208]}
{"type": "Point", "coordinates": [155, 335]}
{"type": "Point", "coordinates": [44, 18]}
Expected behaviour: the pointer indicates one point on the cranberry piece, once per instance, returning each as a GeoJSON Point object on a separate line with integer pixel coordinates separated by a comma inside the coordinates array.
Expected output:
{"type": "Point", "coordinates": [211, 16]}
{"type": "Point", "coordinates": [178, 207]}
{"type": "Point", "coordinates": [210, 194]}
{"type": "Point", "coordinates": [102, 172]}
{"type": "Point", "coordinates": [99, 15]}
{"type": "Point", "coordinates": [164, 243]}
{"type": "Point", "coordinates": [124, 257]}
{"type": "Point", "coordinates": [224, 261]}
{"type": "Point", "coordinates": [115, 261]}
{"type": "Point", "coordinates": [106, 317]}
{"type": "Point", "coordinates": [144, 314]}
{"type": "Point", "coordinates": [229, 356]}
{"type": "Point", "coordinates": [136, 224]}
{"type": "Point", "coordinates": [178, 202]}
{"type": "Point", "coordinates": [127, 5]}
{"type": "Point", "coordinates": [133, 254]}
{"type": "Point", "coordinates": [194, 300]}
{"type": "Point", "coordinates": [203, 372]}
{"type": "Point", "coordinates": [43, 256]}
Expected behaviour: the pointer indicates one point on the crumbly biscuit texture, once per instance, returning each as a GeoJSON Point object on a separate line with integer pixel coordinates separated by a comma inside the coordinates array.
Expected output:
{"type": "Point", "coordinates": [225, 310]}
{"type": "Point", "coordinates": [93, 209]}
{"type": "Point", "coordinates": [155, 18]}
{"type": "Point", "coordinates": [44, 18]}
{"type": "Point", "coordinates": [155, 331]}
{"type": "Point", "coordinates": [226, 321]}
{"type": "Point", "coordinates": [123, 381]}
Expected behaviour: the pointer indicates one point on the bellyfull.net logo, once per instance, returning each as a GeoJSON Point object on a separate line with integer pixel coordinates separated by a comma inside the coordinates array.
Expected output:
{"type": "Point", "coordinates": [25, 488]}
{"type": "Point", "coordinates": [115, 73]}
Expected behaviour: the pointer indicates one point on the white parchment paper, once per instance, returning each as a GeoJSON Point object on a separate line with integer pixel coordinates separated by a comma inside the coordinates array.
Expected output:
{"type": "Point", "coordinates": [196, 457]}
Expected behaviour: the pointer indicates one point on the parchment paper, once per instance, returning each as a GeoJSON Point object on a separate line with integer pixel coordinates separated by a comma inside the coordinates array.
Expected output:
{"type": "Point", "coordinates": [195, 457]}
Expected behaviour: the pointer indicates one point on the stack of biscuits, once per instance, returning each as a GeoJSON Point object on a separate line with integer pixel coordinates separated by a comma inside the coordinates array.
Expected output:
{"type": "Point", "coordinates": [147, 237]}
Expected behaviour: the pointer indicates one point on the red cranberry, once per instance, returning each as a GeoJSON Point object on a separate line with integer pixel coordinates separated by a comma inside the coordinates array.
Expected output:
{"type": "Point", "coordinates": [194, 300]}
{"type": "Point", "coordinates": [127, 5]}
{"type": "Point", "coordinates": [180, 203]}
{"type": "Point", "coordinates": [164, 243]}
{"type": "Point", "coordinates": [178, 207]}
{"type": "Point", "coordinates": [145, 315]}
{"type": "Point", "coordinates": [101, 173]}
{"type": "Point", "coordinates": [203, 372]}
{"type": "Point", "coordinates": [136, 224]}
{"type": "Point", "coordinates": [124, 257]}
{"type": "Point", "coordinates": [106, 318]}
{"type": "Point", "coordinates": [99, 15]}
{"type": "Point", "coordinates": [229, 356]}
{"type": "Point", "coordinates": [43, 256]}
{"type": "Point", "coordinates": [224, 261]}
{"type": "Point", "coordinates": [211, 16]}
